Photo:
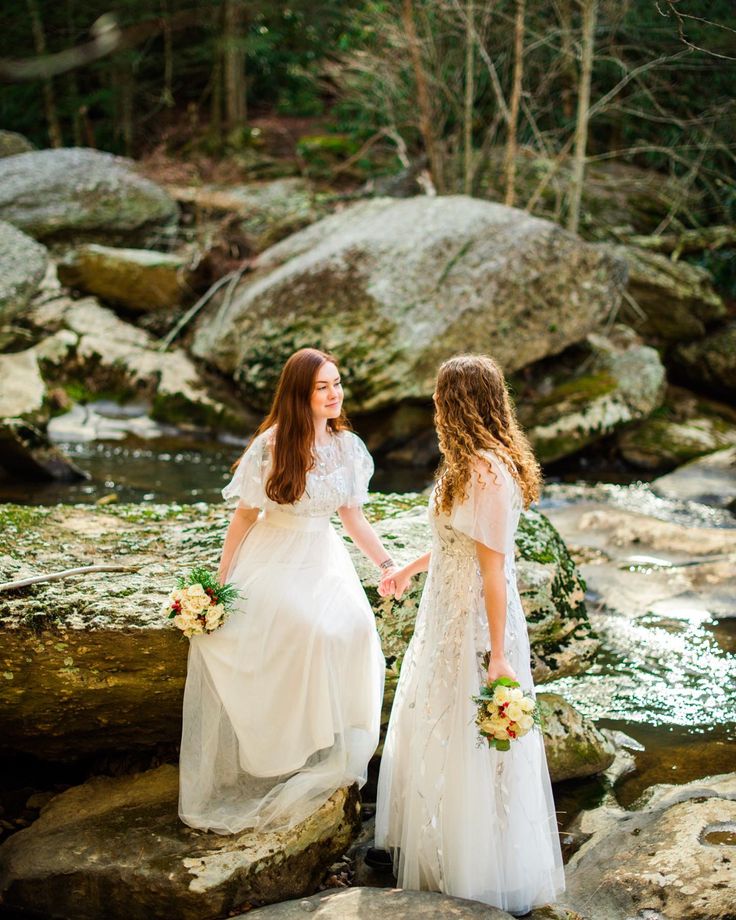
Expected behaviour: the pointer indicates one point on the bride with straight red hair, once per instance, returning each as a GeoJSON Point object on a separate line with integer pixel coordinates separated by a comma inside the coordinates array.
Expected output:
{"type": "Point", "coordinates": [282, 704]}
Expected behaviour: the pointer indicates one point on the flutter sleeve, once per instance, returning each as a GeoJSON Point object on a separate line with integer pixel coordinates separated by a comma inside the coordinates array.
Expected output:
{"type": "Point", "coordinates": [359, 467]}
{"type": "Point", "coordinates": [485, 514]}
{"type": "Point", "coordinates": [249, 480]}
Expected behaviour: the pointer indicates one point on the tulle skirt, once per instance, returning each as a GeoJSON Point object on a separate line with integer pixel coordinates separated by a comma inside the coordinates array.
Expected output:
{"type": "Point", "coordinates": [282, 703]}
{"type": "Point", "coordinates": [460, 818]}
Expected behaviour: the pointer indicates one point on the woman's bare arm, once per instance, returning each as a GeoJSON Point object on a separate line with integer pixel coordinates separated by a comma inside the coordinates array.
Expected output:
{"type": "Point", "coordinates": [494, 596]}
{"type": "Point", "coordinates": [363, 535]}
{"type": "Point", "coordinates": [240, 523]}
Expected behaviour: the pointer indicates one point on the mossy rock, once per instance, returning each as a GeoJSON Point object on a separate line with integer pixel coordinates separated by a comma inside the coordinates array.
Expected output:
{"type": "Point", "coordinates": [115, 848]}
{"type": "Point", "coordinates": [91, 663]}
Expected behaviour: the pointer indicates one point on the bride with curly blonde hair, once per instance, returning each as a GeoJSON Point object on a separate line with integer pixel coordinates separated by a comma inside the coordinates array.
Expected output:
{"type": "Point", "coordinates": [459, 818]}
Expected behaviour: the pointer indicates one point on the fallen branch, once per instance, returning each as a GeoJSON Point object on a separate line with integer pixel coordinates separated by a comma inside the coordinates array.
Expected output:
{"type": "Point", "coordinates": [54, 576]}
{"type": "Point", "coordinates": [203, 300]}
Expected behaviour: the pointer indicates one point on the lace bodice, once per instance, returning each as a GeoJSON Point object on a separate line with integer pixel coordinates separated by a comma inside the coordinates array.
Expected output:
{"type": "Point", "coordinates": [339, 478]}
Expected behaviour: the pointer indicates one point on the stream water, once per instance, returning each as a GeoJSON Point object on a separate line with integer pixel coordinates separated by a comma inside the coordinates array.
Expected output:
{"type": "Point", "coordinates": [666, 677]}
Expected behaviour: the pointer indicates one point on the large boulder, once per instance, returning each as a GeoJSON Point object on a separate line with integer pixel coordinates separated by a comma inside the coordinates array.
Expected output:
{"type": "Point", "coordinates": [260, 213]}
{"type": "Point", "coordinates": [115, 847]}
{"type": "Point", "coordinates": [622, 381]}
{"type": "Point", "coordinates": [23, 264]}
{"type": "Point", "coordinates": [618, 199]}
{"type": "Point", "coordinates": [139, 279]}
{"type": "Point", "coordinates": [670, 856]}
{"type": "Point", "coordinates": [684, 428]}
{"type": "Point", "coordinates": [395, 286]}
{"type": "Point", "coordinates": [81, 193]}
{"type": "Point", "coordinates": [12, 143]}
{"type": "Point", "coordinates": [90, 663]}
{"type": "Point", "coordinates": [677, 299]}
{"type": "Point", "coordinates": [710, 362]}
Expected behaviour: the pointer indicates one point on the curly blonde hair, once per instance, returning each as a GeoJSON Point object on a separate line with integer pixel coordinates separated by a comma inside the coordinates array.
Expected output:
{"type": "Point", "coordinates": [473, 412]}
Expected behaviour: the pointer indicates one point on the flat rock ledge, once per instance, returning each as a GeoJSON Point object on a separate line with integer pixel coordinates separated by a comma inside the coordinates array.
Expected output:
{"type": "Point", "coordinates": [90, 663]}
{"type": "Point", "coordinates": [672, 856]}
{"type": "Point", "coordinates": [394, 904]}
{"type": "Point", "coordinates": [115, 848]}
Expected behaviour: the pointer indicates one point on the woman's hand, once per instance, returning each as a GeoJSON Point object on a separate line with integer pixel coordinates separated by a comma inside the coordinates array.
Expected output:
{"type": "Point", "coordinates": [395, 582]}
{"type": "Point", "coordinates": [499, 667]}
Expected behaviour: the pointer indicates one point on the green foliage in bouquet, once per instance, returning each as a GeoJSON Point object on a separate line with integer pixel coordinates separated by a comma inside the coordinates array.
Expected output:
{"type": "Point", "coordinates": [199, 575]}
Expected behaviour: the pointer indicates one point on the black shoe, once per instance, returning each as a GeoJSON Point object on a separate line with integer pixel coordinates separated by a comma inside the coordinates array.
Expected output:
{"type": "Point", "coordinates": [379, 859]}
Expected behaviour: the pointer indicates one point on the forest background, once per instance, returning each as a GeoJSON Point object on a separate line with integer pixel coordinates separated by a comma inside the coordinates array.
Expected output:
{"type": "Point", "coordinates": [469, 94]}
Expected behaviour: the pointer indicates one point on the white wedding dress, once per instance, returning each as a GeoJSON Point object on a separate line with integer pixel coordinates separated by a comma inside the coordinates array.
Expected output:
{"type": "Point", "coordinates": [282, 703]}
{"type": "Point", "coordinates": [460, 818]}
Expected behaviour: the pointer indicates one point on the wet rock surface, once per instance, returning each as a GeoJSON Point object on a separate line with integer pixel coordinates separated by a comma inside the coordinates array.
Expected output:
{"type": "Point", "coordinates": [669, 856]}
{"type": "Point", "coordinates": [573, 745]}
{"type": "Point", "coordinates": [115, 847]}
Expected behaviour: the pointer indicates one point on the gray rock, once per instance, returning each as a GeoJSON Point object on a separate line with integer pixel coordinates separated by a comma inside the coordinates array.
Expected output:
{"type": "Point", "coordinates": [710, 480]}
{"type": "Point", "coordinates": [617, 196]}
{"type": "Point", "coordinates": [22, 389]}
{"type": "Point", "coordinates": [139, 279]}
{"type": "Point", "coordinates": [23, 264]}
{"type": "Point", "coordinates": [623, 381]}
{"type": "Point", "coordinates": [388, 903]}
{"type": "Point", "coordinates": [670, 856]}
{"type": "Point", "coordinates": [11, 143]}
{"type": "Point", "coordinates": [395, 904]}
{"type": "Point", "coordinates": [395, 286]}
{"type": "Point", "coordinates": [679, 434]}
{"type": "Point", "coordinates": [115, 847]}
{"type": "Point", "coordinates": [709, 362]}
{"type": "Point", "coordinates": [105, 353]}
{"type": "Point", "coordinates": [676, 298]}
{"type": "Point", "coordinates": [573, 745]}
{"type": "Point", "coordinates": [263, 212]}
{"type": "Point", "coordinates": [27, 454]}
{"type": "Point", "coordinates": [81, 193]}
{"type": "Point", "coordinates": [91, 664]}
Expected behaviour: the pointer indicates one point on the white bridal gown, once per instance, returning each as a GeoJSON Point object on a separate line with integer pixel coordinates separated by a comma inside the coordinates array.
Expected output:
{"type": "Point", "coordinates": [460, 818]}
{"type": "Point", "coordinates": [282, 703]}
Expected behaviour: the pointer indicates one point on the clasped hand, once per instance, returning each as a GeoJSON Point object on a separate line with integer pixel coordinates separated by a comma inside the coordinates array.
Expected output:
{"type": "Point", "coordinates": [393, 582]}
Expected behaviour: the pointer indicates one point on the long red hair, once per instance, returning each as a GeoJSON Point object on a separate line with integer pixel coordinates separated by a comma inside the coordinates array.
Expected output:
{"type": "Point", "coordinates": [291, 414]}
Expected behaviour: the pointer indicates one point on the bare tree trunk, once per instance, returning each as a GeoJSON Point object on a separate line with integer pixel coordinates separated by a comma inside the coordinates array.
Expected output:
{"type": "Point", "coordinates": [567, 55]}
{"type": "Point", "coordinates": [469, 94]}
{"type": "Point", "coordinates": [426, 125]}
{"type": "Point", "coordinates": [510, 169]}
{"type": "Point", "coordinates": [127, 106]}
{"type": "Point", "coordinates": [216, 93]}
{"type": "Point", "coordinates": [49, 97]}
{"type": "Point", "coordinates": [73, 84]}
{"type": "Point", "coordinates": [168, 93]}
{"type": "Point", "coordinates": [234, 65]}
{"type": "Point", "coordinates": [590, 10]}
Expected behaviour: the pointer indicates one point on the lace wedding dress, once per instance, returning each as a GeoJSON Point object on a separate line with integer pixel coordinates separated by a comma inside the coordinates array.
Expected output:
{"type": "Point", "coordinates": [282, 703]}
{"type": "Point", "coordinates": [459, 818]}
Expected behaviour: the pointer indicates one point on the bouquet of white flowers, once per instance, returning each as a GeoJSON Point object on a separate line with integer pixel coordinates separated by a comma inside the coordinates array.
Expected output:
{"type": "Point", "coordinates": [505, 713]}
{"type": "Point", "coordinates": [199, 603]}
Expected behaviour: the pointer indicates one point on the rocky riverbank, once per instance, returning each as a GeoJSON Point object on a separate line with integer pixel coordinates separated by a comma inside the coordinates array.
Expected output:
{"type": "Point", "coordinates": [148, 308]}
